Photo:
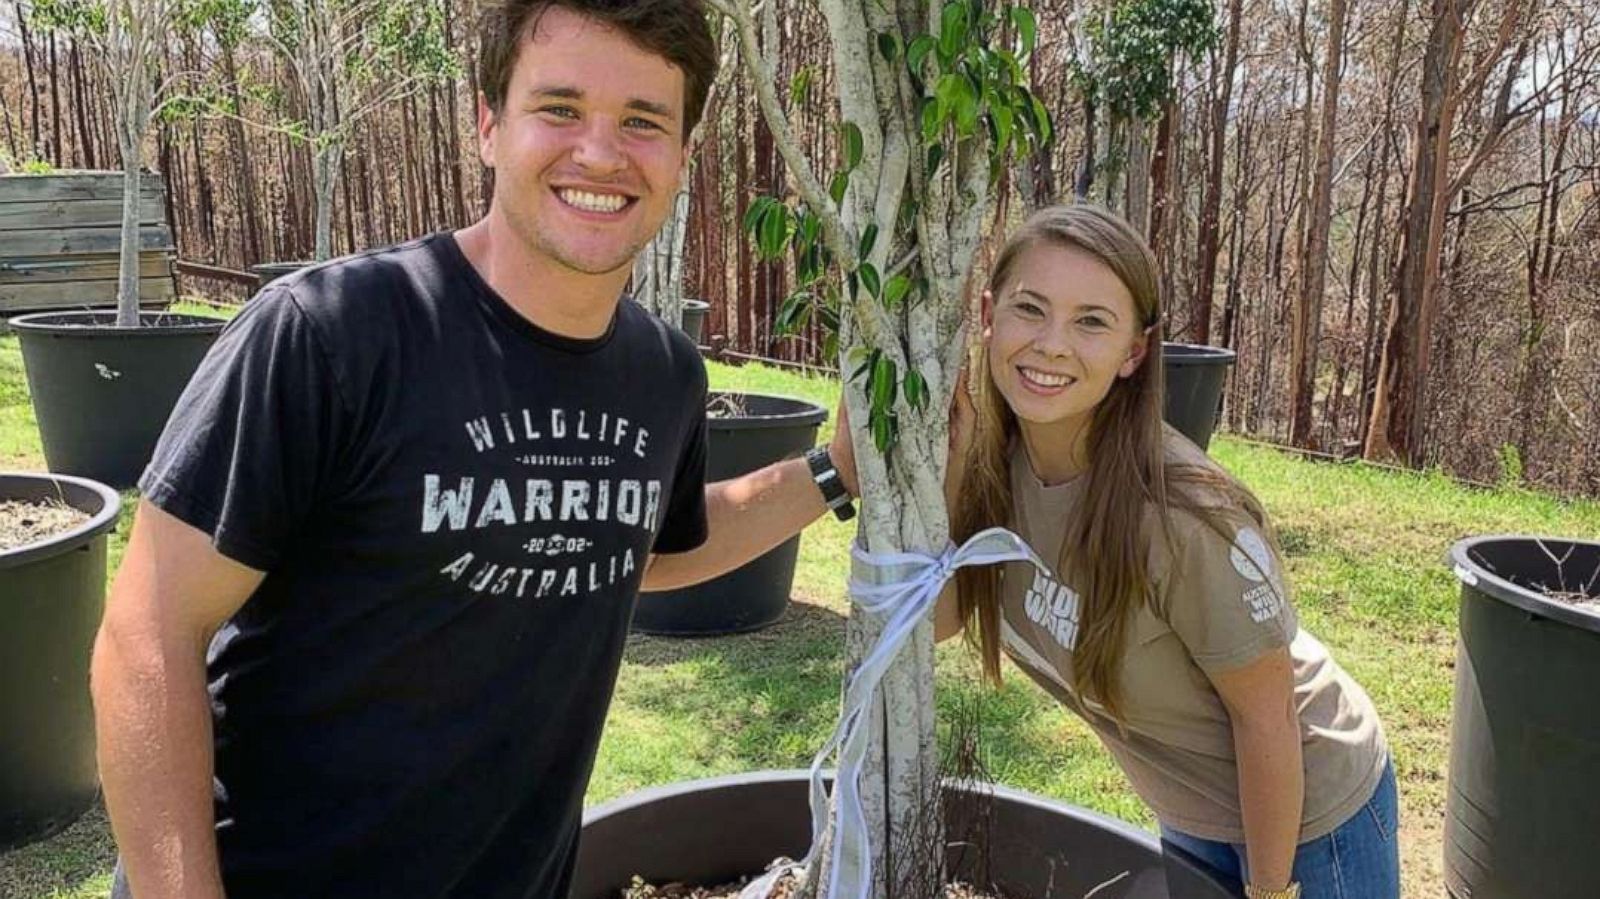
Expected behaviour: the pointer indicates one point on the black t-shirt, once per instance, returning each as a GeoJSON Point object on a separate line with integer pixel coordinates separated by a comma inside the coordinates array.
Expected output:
{"type": "Point", "coordinates": [454, 509]}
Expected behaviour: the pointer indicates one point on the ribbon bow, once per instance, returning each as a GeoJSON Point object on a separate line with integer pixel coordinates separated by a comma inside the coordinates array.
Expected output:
{"type": "Point", "coordinates": [902, 587]}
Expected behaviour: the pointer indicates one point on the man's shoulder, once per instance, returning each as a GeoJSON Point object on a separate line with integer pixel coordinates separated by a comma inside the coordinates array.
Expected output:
{"type": "Point", "coordinates": [642, 327]}
{"type": "Point", "coordinates": [357, 284]}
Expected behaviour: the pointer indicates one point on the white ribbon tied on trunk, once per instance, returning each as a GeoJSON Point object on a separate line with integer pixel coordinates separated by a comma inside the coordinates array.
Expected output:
{"type": "Point", "coordinates": [902, 588]}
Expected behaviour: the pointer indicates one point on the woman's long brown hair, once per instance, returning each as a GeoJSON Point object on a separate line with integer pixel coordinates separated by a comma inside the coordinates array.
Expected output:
{"type": "Point", "coordinates": [1104, 546]}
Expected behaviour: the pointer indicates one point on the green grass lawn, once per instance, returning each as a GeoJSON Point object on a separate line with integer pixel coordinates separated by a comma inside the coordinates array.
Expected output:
{"type": "Point", "coordinates": [1365, 554]}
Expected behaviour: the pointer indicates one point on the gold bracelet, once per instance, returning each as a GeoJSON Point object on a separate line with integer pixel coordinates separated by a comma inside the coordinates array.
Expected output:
{"type": "Point", "coordinates": [1292, 891]}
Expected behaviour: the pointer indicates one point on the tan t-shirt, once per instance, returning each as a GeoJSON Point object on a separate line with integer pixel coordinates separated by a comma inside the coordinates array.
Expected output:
{"type": "Point", "coordinates": [1218, 604]}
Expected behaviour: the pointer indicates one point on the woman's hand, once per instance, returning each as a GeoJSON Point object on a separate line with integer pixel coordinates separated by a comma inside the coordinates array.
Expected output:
{"type": "Point", "coordinates": [963, 424]}
{"type": "Point", "coordinates": [842, 449]}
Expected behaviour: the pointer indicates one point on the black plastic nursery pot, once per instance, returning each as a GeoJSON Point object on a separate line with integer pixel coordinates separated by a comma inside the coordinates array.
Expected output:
{"type": "Point", "coordinates": [1522, 813]}
{"type": "Point", "coordinates": [51, 596]}
{"type": "Point", "coordinates": [268, 272]}
{"type": "Point", "coordinates": [719, 830]}
{"type": "Point", "coordinates": [102, 393]}
{"type": "Point", "coordinates": [694, 319]}
{"type": "Point", "coordinates": [1195, 378]}
{"type": "Point", "coordinates": [765, 429]}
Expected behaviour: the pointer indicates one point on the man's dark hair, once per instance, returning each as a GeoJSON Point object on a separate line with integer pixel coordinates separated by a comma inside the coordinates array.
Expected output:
{"type": "Point", "coordinates": [673, 29]}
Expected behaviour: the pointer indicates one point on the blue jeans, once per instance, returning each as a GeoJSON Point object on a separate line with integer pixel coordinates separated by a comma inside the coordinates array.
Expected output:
{"type": "Point", "coordinates": [1358, 860]}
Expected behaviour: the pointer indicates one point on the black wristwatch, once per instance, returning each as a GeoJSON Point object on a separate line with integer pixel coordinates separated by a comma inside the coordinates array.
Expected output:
{"type": "Point", "coordinates": [829, 482]}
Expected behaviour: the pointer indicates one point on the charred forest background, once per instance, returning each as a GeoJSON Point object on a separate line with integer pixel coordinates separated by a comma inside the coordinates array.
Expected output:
{"type": "Point", "coordinates": [1389, 208]}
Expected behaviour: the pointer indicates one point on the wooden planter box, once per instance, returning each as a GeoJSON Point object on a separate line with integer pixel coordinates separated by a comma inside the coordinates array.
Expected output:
{"type": "Point", "coordinates": [60, 235]}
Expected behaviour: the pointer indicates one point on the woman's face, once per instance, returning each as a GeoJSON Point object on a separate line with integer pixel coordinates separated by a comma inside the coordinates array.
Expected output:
{"type": "Point", "coordinates": [1059, 333]}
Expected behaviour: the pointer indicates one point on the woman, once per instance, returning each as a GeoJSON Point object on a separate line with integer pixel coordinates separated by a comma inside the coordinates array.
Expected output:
{"type": "Point", "coordinates": [1165, 623]}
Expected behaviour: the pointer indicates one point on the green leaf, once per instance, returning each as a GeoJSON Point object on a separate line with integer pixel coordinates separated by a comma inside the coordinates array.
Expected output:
{"type": "Point", "coordinates": [862, 359]}
{"type": "Point", "coordinates": [1027, 27]}
{"type": "Point", "coordinates": [952, 32]}
{"type": "Point", "coordinates": [869, 239]}
{"type": "Point", "coordinates": [809, 266]}
{"type": "Point", "coordinates": [1042, 117]}
{"type": "Point", "coordinates": [935, 156]}
{"type": "Point", "coordinates": [793, 314]}
{"type": "Point", "coordinates": [883, 436]}
{"type": "Point", "coordinates": [755, 212]}
{"type": "Point", "coordinates": [854, 146]}
{"type": "Point", "coordinates": [800, 87]}
{"type": "Point", "coordinates": [966, 105]}
{"type": "Point", "coordinates": [885, 385]}
{"type": "Point", "coordinates": [948, 91]}
{"type": "Point", "coordinates": [916, 390]}
{"type": "Point", "coordinates": [841, 182]}
{"type": "Point", "coordinates": [917, 53]}
{"type": "Point", "coordinates": [889, 46]}
{"type": "Point", "coordinates": [810, 227]}
{"type": "Point", "coordinates": [896, 290]}
{"type": "Point", "coordinates": [932, 121]}
{"type": "Point", "coordinates": [828, 309]}
{"type": "Point", "coordinates": [774, 232]}
{"type": "Point", "coordinates": [1002, 118]}
{"type": "Point", "coordinates": [869, 279]}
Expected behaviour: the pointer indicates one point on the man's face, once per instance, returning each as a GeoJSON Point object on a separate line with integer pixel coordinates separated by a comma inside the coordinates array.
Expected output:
{"type": "Point", "coordinates": [588, 150]}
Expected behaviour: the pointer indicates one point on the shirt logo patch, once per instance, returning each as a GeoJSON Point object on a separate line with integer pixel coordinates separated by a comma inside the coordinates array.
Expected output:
{"type": "Point", "coordinates": [1253, 560]}
{"type": "Point", "coordinates": [1055, 608]}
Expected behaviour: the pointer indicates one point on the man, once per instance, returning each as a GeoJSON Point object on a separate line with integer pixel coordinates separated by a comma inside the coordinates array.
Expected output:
{"type": "Point", "coordinates": [373, 606]}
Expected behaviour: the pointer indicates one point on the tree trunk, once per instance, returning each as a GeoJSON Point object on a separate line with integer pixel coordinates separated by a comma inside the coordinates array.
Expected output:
{"type": "Point", "coordinates": [33, 83]}
{"type": "Point", "coordinates": [249, 207]}
{"type": "Point", "coordinates": [1396, 413]}
{"type": "Point", "coordinates": [1084, 181]}
{"type": "Point", "coordinates": [1137, 173]}
{"type": "Point", "coordinates": [128, 250]}
{"type": "Point", "coordinates": [1161, 165]}
{"type": "Point", "coordinates": [658, 269]}
{"type": "Point", "coordinates": [80, 108]}
{"type": "Point", "coordinates": [325, 167]}
{"type": "Point", "coordinates": [904, 507]}
{"type": "Point", "coordinates": [58, 151]}
{"type": "Point", "coordinates": [1377, 289]}
{"type": "Point", "coordinates": [1308, 312]}
{"type": "Point", "coordinates": [1211, 199]}
{"type": "Point", "coordinates": [348, 195]}
{"type": "Point", "coordinates": [1537, 366]}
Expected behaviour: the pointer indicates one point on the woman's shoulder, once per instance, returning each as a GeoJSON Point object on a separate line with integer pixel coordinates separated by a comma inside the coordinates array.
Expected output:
{"type": "Point", "coordinates": [1205, 509]}
{"type": "Point", "coordinates": [1197, 488]}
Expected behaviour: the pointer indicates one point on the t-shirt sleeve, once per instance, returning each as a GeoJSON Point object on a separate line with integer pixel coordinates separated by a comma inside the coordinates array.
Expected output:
{"type": "Point", "coordinates": [1225, 596]}
{"type": "Point", "coordinates": [253, 441]}
{"type": "Point", "coordinates": [684, 526]}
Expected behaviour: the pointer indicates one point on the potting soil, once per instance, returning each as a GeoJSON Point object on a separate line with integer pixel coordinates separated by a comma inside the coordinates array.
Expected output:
{"type": "Point", "coordinates": [24, 523]}
{"type": "Point", "coordinates": [785, 889]}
